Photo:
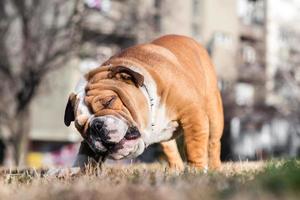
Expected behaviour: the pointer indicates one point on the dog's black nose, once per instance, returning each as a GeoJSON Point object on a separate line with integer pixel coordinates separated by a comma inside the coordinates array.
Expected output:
{"type": "Point", "coordinates": [97, 129]}
{"type": "Point", "coordinates": [132, 133]}
{"type": "Point", "coordinates": [96, 126]}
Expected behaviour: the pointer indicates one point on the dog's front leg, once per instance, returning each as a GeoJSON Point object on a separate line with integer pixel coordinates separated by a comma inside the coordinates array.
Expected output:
{"type": "Point", "coordinates": [173, 156]}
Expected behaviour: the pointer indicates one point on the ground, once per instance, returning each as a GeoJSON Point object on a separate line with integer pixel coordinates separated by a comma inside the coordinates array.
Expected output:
{"type": "Point", "coordinates": [240, 180]}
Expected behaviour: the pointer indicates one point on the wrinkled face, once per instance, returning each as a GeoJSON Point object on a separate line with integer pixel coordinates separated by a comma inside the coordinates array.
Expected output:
{"type": "Point", "coordinates": [106, 115]}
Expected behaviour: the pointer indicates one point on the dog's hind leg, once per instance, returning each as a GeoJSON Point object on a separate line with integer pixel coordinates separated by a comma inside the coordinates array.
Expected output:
{"type": "Point", "coordinates": [216, 124]}
{"type": "Point", "coordinates": [195, 125]}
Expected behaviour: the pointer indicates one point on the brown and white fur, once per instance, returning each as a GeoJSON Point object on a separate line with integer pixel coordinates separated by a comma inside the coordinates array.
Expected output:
{"type": "Point", "coordinates": [152, 90]}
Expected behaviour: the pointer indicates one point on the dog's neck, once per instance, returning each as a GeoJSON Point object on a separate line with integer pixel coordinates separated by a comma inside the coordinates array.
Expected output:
{"type": "Point", "coordinates": [160, 127]}
{"type": "Point", "coordinates": [151, 100]}
{"type": "Point", "coordinates": [149, 89]}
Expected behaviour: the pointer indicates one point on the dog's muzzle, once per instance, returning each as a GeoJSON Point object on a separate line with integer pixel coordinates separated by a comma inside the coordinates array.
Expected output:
{"type": "Point", "coordinates": [109, 134]}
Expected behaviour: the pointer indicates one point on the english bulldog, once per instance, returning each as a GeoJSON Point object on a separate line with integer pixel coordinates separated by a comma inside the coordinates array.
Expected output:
{"type": "Point", "coordinates": [144, 95]}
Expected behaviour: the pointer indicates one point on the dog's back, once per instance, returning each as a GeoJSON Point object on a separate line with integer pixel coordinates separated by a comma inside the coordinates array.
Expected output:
{"type": "Point", "coordinates": [193, 57]}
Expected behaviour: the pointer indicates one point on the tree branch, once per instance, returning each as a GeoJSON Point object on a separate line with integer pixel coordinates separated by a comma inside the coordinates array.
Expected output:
{"type": "Point", "coordinates": [62, 33]}
{"type": "Point", "coordinates": [5, 67]}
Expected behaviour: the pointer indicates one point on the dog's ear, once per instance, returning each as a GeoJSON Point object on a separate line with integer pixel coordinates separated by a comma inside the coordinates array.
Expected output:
{"type": "Point", "coordinates": [69, 111]}
{"type": "Point", "coordinates": [135, 77]}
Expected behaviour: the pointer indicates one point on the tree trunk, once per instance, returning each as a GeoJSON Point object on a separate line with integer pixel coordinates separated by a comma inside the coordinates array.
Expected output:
{"type": "Point", "coordinates": [20, 128]}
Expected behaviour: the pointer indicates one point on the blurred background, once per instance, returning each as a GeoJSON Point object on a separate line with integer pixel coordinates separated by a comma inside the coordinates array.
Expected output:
{"type": "Point", "coordinates": [46, 45]}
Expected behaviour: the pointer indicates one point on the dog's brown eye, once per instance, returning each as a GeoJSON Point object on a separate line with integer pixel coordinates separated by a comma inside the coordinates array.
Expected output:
{"type": "Point", "coordinates": [125, 76]}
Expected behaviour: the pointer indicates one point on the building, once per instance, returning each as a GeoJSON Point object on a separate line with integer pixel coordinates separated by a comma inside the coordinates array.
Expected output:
{"type": "Point", "coordinates": [265, 121]}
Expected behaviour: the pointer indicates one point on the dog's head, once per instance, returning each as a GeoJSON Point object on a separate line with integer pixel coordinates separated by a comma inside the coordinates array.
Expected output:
{"type": "Point", "coordinates": [110, 111]}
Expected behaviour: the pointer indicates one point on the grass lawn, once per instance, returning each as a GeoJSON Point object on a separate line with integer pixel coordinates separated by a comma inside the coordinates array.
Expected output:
{"type": "Point", "coordinates": [241, 180]}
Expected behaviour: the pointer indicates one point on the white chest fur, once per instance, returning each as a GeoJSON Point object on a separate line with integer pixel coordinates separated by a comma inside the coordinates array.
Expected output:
{"type": "Point", "coordinates": [160, 127]}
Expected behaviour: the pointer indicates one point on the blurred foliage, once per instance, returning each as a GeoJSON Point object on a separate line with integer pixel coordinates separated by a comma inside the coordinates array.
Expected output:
{"type": "Point", "coordinates": [281, 177]}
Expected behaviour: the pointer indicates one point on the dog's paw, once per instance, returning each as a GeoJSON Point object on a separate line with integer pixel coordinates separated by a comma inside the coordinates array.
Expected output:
{"type": "Point", "coordinates": [200, 167]}
{"type": "Point", "coordinates": [214, 164]}
{"type": "Point", "coordinates": [63, 172]}
{"type": "Point", "coordinates": [176, 166]}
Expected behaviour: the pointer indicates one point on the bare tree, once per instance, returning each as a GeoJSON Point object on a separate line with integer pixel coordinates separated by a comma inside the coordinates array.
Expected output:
{"type": "Point", "coordinates": [36, 36]}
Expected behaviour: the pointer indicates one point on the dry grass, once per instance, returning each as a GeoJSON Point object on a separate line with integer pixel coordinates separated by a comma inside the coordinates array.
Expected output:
{"type": "Point", "coordinates": [243, 180]}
